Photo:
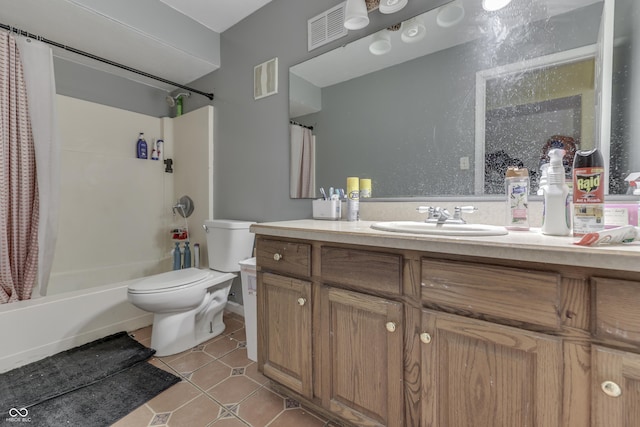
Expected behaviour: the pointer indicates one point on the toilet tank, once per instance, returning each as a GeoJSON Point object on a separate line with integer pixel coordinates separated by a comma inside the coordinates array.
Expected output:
{"type": "Point", "coordinates": [228, 242]}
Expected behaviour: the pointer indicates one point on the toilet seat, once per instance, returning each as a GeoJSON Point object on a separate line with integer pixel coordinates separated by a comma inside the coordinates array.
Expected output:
{"type": "Point", "coordinates": [173, 281]}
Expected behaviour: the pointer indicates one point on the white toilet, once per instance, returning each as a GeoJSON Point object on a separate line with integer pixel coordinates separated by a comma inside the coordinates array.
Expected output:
{"type": "Point", "coordinates": [188, 304]}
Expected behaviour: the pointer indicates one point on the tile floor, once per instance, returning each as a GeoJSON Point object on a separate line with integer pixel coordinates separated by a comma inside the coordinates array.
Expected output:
{"type": "Point", "coordinates": [220, 387]}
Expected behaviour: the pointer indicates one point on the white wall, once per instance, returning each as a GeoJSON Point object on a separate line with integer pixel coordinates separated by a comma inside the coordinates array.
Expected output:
{"type": "Point", "coordinates": [115, 209]}
{"type": "Point", "coordinates": [193, 177]}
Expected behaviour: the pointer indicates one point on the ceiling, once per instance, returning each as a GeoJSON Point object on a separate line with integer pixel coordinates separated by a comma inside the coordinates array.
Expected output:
{"type": "Point", "coordinates": [178, 40]}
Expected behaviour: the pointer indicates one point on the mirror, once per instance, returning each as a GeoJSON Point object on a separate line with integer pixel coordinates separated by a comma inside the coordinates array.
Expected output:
{"type": "Point", "coordinates": [444, 115]}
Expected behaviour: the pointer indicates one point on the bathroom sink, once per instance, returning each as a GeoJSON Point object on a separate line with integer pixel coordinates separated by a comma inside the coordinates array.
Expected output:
{"type": "Point", "coordinates": [447, 229]}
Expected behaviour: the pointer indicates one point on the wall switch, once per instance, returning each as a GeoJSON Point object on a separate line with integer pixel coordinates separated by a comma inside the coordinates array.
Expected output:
{"type": "Point", "coordinates": [464, 163]}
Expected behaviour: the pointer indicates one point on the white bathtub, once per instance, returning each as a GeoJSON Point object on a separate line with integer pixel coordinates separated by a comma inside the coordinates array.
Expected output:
{"type": "Point", "coordinates": [34, 329]}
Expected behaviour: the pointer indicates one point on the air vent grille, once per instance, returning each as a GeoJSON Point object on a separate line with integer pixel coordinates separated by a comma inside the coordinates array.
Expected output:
{"type": "Point", "coordinates": [326, 27]}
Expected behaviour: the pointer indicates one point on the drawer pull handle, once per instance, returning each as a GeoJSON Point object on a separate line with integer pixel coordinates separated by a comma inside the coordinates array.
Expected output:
{"type": "Point", "coordinates": [277, 257]}
{"type": "Point", "coordinates": [611, 389]}
{"type": "Point", "coordinates": [302, 301]}
{"type": "Point", "coordinates": [391, 326]}
{"type": "Point", "coordinates": [425, 337]}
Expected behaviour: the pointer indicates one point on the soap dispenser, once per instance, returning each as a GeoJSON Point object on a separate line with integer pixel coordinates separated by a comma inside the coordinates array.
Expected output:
{"type": "Point", "coordinates": [556, 219]}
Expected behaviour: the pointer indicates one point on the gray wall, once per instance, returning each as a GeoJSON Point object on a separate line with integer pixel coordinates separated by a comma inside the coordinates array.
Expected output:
{"type": "Point", "coordinates": [251, 163]}
{"type": "Point", "coordinates": [89, 84]}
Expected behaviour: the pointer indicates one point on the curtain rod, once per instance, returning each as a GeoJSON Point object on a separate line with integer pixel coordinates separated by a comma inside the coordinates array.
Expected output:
{"type": "Point", "coordinates": [293, 122]}
{"type": "Point", "coordinates": [100, 59]}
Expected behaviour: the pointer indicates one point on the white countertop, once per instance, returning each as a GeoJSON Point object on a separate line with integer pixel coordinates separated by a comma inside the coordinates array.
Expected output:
{"type": "Point", "coordinates": [517, 245]}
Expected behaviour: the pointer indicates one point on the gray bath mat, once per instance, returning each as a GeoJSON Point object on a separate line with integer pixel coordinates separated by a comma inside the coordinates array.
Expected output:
{"type": "Point", "coordinates": [98, 382]}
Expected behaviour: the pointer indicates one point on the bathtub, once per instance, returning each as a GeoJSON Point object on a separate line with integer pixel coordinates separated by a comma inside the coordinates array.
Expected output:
{"type": "Point", "coordinates": [40, 327]}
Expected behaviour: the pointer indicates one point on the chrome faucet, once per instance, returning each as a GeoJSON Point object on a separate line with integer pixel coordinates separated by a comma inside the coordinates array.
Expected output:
{"type": "Point", "coordinates": [440, 215]}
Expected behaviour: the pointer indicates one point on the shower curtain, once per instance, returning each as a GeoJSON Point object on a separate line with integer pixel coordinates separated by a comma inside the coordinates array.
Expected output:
{"type": "Point", "coordinates": [302, 180]}
{"type": "Point", "coordinates": [29, 150]}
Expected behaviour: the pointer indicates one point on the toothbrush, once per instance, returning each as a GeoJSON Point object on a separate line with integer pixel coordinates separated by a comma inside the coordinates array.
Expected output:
{"type": "Point", "coordinates": [324, 195]}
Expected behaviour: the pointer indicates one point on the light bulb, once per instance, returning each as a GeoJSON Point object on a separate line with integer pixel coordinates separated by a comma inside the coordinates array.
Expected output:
{"type": "Point", "coordinates": [493, 5]}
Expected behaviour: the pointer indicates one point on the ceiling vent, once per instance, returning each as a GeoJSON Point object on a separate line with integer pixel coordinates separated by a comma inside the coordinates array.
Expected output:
{"type": "Point", "coordinates": [326, 27]}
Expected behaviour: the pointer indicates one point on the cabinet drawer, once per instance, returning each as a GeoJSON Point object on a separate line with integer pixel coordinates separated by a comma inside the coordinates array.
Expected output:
{"type": "Point", "coordinates": [524, 296]}
{"type": "Point", "coordinates": [284, 257]}
{"type": "Point", "coordinates": [365, 269]}
{"type": "Point", "coordinates": [617, 309]}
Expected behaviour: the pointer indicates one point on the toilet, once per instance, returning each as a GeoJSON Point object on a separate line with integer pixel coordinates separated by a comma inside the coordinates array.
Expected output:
{"type": "Point", "coordinates": [188, 304]}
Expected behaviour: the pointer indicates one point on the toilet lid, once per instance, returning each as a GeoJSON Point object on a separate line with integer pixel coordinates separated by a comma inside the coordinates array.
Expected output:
{"type": "Point", "coordinates": [170, 280]}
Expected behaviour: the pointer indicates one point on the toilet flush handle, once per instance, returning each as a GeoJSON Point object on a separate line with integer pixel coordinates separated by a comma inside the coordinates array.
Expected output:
{"type": "Point", "coordinates": [206, 229]}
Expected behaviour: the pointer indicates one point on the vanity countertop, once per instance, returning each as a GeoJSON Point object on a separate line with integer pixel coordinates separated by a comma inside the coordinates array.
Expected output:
{"type": "Point", "coordinates": [517, 245]}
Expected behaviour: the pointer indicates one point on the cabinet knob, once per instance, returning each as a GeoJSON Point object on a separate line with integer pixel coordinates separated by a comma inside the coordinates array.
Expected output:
{"type": "Point", "coordinates": [277, 256]}
{"type": "Point", "coordinates": [391, 326]}
{"type": "Point", "coordinates": [425, 337]}
{"type": "Point", "coordinates": [302, 301]}
{"type": "Point", "coordinates": [611, 389]}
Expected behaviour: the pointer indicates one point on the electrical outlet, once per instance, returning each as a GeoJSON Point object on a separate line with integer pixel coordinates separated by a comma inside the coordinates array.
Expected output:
{"type": "Point", "coordinates": [464, 163]}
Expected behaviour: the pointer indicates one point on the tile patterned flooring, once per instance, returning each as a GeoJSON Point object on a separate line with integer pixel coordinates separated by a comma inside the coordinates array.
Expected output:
{"type": "Point", "coordinates": [220, 387]}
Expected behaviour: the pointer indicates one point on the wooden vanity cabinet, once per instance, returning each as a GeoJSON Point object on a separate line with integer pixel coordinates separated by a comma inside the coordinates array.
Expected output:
{"type": "Point", "coordinates": [476, 373]}
{"type": "Point", "coordinates": [284, 311]}
{"type": "Point", "coordinates": [615, 365]}
{"type": "Point", "coordinates": [361, 335]}
{"type": "Point", "coordinates": [384, 337]}
{"type": "Point", "coordinates": [285, 332]}
{"type": "Point", "coordinates": [362, 352]}
{"type": "Point", "coordinates": [484, 373]}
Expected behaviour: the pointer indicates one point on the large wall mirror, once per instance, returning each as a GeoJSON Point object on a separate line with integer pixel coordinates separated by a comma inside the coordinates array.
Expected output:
{"type": "Point", "coordinates": [441, 104]}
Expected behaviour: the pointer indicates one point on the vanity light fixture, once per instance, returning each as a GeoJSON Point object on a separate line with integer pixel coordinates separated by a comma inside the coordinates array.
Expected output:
{"type": "Point", "coordinates": [381, 43]}
{"type": "Point", "coordinates": [391, 6]}
{"type": "Point", "coordinates": [356, 16]}
{"type": "Point", "coordinates": [493, 5]}
{"type": "Point", "coordinates": [450, 15]}
{"type": "Point", "coordinates": [413, 30]}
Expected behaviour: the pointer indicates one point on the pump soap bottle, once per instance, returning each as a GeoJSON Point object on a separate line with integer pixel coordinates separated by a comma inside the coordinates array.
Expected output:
{"type": "Point", "coordinates": [556, 219]}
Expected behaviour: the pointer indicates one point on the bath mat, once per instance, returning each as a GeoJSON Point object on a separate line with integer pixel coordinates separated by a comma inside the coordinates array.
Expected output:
{"type": "Point", "coordinates": [82, 381]}
{"type": "Point", "coordinates": [104, 402]}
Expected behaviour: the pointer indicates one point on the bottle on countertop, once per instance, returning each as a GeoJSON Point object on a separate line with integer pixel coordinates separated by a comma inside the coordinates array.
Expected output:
{"type": "Point", "coordinates": [353, 198]}
{"type": "Point", "coordinates": [517, 188]}
{"type": "Point", "coordinates": [556, 218]}
{"type": "Point", "coordinates": [588, 192]}
{"type": "Point", "coordinates": [141, 147]}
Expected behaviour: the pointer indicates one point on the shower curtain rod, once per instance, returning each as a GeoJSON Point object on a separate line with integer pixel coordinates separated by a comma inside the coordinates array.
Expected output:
{"type": "Point", "coordinates": [293, 122]}
{"type": "Point", "coordinates": [100, 59]}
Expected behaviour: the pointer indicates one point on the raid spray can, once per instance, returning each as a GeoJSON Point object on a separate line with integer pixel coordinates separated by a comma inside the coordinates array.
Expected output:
{"type": "Point", "coordinates": [588, 192]}
{"type": "Point", "coordinates": [517, 188]}
{"type": "Point", "coordinates": [353, 198]}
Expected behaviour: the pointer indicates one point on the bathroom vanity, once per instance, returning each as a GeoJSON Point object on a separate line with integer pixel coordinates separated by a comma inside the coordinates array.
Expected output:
{"type": "Point", "coordinates": [375, 328]}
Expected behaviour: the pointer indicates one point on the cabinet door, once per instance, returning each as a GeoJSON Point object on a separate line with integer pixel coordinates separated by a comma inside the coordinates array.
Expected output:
{"type": "Point", "coordinates": [362, 367]}
{"type": "Point", "coordinates": [284, 310]}
{"type": "Point", "coordinates": [616, 388]}
{"type": "Point", "coordinates": [476, 373]}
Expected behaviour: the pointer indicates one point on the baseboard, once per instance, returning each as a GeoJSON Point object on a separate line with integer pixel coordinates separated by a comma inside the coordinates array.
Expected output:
{"type": "Point", "coordinates": [234, 307]}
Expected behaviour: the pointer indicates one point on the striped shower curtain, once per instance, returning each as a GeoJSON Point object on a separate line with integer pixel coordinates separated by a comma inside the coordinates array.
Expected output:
{"type": "Point", "coordinates": [19, 205]}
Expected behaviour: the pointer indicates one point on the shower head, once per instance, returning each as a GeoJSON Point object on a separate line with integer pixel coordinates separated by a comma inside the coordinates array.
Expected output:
{"type": "Point", "coordinates": [171, 100]}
